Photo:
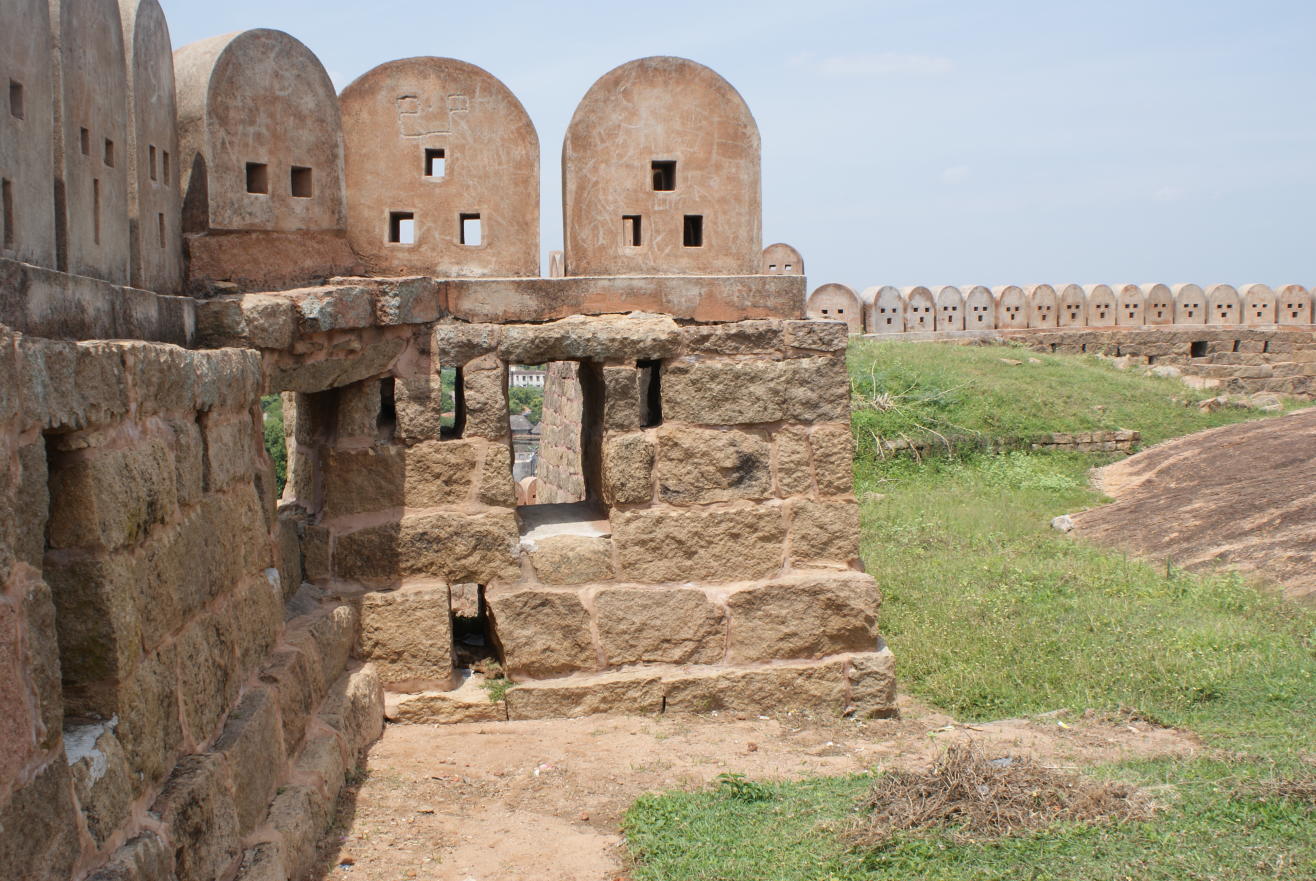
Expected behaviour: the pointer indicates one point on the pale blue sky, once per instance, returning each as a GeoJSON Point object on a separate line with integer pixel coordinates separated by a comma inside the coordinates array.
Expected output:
{"type": "Point", "coordinates": [935, 142]}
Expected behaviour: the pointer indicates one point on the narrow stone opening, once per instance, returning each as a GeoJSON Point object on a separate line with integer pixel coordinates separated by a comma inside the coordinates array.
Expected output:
{"type": "Point", "coordinates": [16, 108]}
{"type": "Point", "coordinates": [160, 228]}
{"type": "Point", "coordinates": [386, 422]}
{"type": "Point", "coordinates": [96, 210]}
{"type": "Point", "coordinates": [258, 178]}
{"type": "Point", "coordinates": [789, 267]}
{"type": "Point", "coordinates": [772, 267]}
{"type": "Point", "coordinates": [1197, 349]}
{"type": "Point", "coordinates": [559, 445]}
{"type": "Point", "coordinates": [1236, 342]}
{"type": "Point", "coordinates": [651, 393]}
{"type": "Point", "coordinates": [436, 162]}
{"type": "Point", "coordinates": [150, 162]}
{"type": "Point", "coordinates": [473, 640]}
{"type": "Point", "coordinates": [109, 153]}
{"type": "Point", "coordinates": [664, 174]}
{"type": "Point", "coordinates": [527, 385]}
{"type": "Point", "coordinates": [452, 404]}
{"type": "Point", "coordinates": [402, 228]}
{"type": "Point", "coordinates": [471, 232]}
{"type": "Point", "coordinates": [301, 182]}
{"type": "Point", "coordinates": [84, 141]}
{"type": "Point", "coordinates": [164, 165]}
{"type": "Point", "coordinates": [7, 200]}
{"type": "Point", "coordinates": [631, 234]}
{"type": "Point", "coordinates": [694, 231]}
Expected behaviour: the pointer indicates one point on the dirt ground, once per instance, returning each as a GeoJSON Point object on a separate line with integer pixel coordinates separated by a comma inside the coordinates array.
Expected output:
{"type": "Point", "coordinates": [543, 800]}
{"type": "Point", "coordinates": [1243, 496]}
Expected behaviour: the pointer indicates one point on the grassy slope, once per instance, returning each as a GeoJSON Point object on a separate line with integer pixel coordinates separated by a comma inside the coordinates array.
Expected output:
{"type": "Point", "coordinates": [970, 390]}
{"type": "Point", "coordinates": [992, 614]}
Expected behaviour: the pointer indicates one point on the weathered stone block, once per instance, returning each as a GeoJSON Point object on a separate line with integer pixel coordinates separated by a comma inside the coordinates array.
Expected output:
{"type": "Point", "coordinates": [799, 617]}
{"type": "Point", "coordinates": [257, 612]}
{"type": "Point", "coordinates": [629, 694]}
{"type": "Point", "coordinates": [99, 374]}
{"type": "Point", "coordinates": [209, 684]}
{"type": "Point", "coordinates": [643, 626]}
{"type": "Point", "coordinates": [36, 844]}
{"type": "Point", "coordinates": [621, 398]}
{"type": "Point", "coordinates": [572, 559]}
{"type": "Point", "coordinates": [163, 378]}
{"type": "Point", "coordinates": [364, 480]}
{"type": "Point", "coordinates": [358, 411]}
{"type": "Point", "coordinates": [144, 858]}
{"type": "Point", "coordinates": [407, 635]}
{"type": "Point", "coordinates": [628, 469]}
{"type": "Point", "coordinates": [100, 632]}
{"type": "Point", "coordinates": [328, 636]}
{"type": "Point", "coordinates": [794, 465]}
{"type": "Point", "coordinates": [316, 376]}
{"type": "Point", "coordinates": [18, 724]}
{"type": "Point", "coordinates": [149, 729]}
{"type": "Point", "coordinates": [418, 406]}
{"type": "Point", "coordinates": [298, 686]}
{"type": "Point", "coordinates": [189, 461]}
{"type": "Point", "coordinates": [817, 686]}
{"type": "Point", "coordinates": [496, 485]}
{"type": "Point", "coordinates": [637, 336]}
{"type": "Point", "coordinates": [322, 763]}
{"type": "Point", "coordinates": [315, 553]}
{"type": "Point", "coordinates": [455, 344]}
{"type": "Point", "coordinates": [41, 661]}
{"type": "Point", "coordinates": [101, 778]}
{"type": "Point", "coordinates": [354, 707]}
{"type": "Point", "coordinates": [833, 459]}
{"type": "Point", "coordinates": [740, 338]}
{"type": "Point", "coordinates": [196, 809]}
{"type": "Point", "coordinates": [262, 862]}
{"type": "Point", "coordinates": [455, 547]}
{"type": "Point", "coordinates": [484, 381]}
{"type": "Point", "coordinates": [542, 633]}
{"type": "Point", "coordinates": [816, 336]}
{"type": "Point", "coordinates": [252, 744]}
{"type": "Point", "coordinates": [109, 497]}
{"type": "Point", "coordinates": [872, 678]}
{"type": "Point", "coordinates": [747, 392]}
{"type": "Point", "coordinates": [33, 500]}
{"type": "Point", "coordinates": [824, 531]}
{"type": "Point", "coordinates": [697, 466]}
{"type": "Point", "coordinates": [300, 814]}
{"type": "Point", "coordinates": [440, 473]}
{"type": "Point", "coordinates": [727, 544]}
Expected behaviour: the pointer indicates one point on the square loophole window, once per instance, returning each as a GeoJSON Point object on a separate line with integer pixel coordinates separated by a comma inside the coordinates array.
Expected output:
{"type": "Point", "coordinates": [472, 234]}
{"type": "Point", "coordinates": [16, 108]}
{"type": "Point", "coordinates": [693, 231]}
{"type": "Point", "coordinates": [402, 228]}
{"type": "Point", "coordinates": [664, 174]}
{"type": "Point", "coordinates": [258, 178]}
{"type": "Point", "coordinates": [301, 182]}
{"type": "Point", "coordinates": [436, 162]}
{"type": "Point", "coordinates": [631, 230]}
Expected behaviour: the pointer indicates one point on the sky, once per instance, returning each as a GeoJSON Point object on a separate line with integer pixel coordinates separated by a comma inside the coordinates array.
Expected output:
{"type": "Point", "coordinates": [929, 141]}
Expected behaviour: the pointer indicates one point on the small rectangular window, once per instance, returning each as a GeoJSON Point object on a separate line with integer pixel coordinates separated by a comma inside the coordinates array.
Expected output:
{"type": "Point", "coordinates": [772, 267]}
{"type": "Point", "coordinates": [258, 178]}
{"type": "Point", "coordinates": [160, 228]}
{"type": "Point", "coordinates": [694, 230]}
{"type": "Point", "coordinates": [301, 182]}
{"type": "Point", "coordinates": [150, 161]}
{"type": "Point", "coordinates": [631, 230]}
{"type": "Point", "coordinates": [471, 233]}
{"type": "Point", "coordinates": [402, 228]}
{"type": "Point", "coordinates": [7, 196]}
{"type": "Point", "coordinates": [164, 165]}
{"type": "Point", "coordinates": [109, 153]}
{"type": "Point", "coordinates": [96, 210]}
{"type": "Point", "coordinates": [651, 393]}
{"type": "Point", "coordinates": [84, 141]}
{"type": "Point", "coordinates": [789, 267]}
{"type": "Point", "coordinates": [664, 174]}
{"type": "Point", "coordinates": [436, 162]}
{"type": "Point", "coordinates": [16, 108]}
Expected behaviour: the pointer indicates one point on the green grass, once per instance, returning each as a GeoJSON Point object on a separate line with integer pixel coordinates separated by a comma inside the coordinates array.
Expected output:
{"type": "Point", "coordinates": [993, 614]}
{"type": "Point", "coordinates": [922, 391]}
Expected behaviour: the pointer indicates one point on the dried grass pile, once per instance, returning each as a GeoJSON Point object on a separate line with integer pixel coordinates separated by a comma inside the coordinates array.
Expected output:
{"type": "Point", "coordinates": [972, 798]}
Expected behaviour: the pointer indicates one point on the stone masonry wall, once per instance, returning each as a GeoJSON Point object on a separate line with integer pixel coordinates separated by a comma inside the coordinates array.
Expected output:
{"type": "Point", "coordinates": [166, 714]}
{"type": "Point", "coordinates": [719, 567]}
{"type": "Point", "coordinates": [561, 478]}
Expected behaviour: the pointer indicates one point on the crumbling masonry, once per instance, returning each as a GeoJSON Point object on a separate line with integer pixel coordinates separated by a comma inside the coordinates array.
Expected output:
{"type": "Point", "coordinates": [191, 666]}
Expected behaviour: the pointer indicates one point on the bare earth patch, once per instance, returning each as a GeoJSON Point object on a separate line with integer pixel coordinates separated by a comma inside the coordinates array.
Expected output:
{"type": "Point", "coordinates": [1243, 495]}
{"type": "Point", "coordinates": [543, 799]}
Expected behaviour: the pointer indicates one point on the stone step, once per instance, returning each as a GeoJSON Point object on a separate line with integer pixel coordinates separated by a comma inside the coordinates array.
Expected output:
{"type": "Point", "coordinates": [860, 683]}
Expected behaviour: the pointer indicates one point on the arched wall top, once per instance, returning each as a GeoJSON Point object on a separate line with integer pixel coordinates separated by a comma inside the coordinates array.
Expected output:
{"type": "Point", "coordinates": [258, 115]}
{"type": "Point", "coordinates": [780, 258]}
{"type": "Point", "coordinates": [447, 144]}
{"type": "Point", "coordinates": [661, 175]}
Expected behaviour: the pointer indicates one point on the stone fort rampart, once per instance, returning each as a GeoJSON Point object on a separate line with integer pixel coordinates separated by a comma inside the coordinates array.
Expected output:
{"type": "Point", "coordinates": [192, 660]}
